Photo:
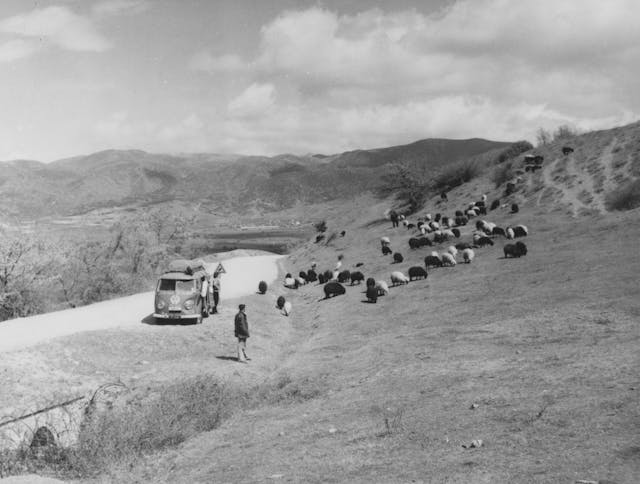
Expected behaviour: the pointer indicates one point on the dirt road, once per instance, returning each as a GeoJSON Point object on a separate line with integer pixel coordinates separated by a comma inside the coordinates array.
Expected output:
{"type": "Point", "coordinates": [241, 278]}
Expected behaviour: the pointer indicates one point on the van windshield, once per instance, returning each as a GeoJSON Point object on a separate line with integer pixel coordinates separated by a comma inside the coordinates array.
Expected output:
{"type": "Point", "coordinates": [185, 287]}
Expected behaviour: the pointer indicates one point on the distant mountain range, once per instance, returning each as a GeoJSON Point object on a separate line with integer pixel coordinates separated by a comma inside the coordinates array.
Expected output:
{"type": "Point", "coordinates": [234, 183]}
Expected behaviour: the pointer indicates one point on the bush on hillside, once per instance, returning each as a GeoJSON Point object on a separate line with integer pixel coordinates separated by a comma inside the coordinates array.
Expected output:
{"type": "Point", "coordinates": [502, 174]}
{"type": "Point", "coordinates": [514, 150]}
{"type": "Point", "coordinates": [409, 183]}
{"type": "Point", "coordinates": [456, 174]}
{"type": "Point", "coordinates": [320, 226]}
{"type": "Point", "coordinates": [627, 197]}
{"type": "Point", "coordinates": [564, 132]}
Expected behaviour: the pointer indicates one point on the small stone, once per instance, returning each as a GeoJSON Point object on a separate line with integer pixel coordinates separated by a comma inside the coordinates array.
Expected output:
{"type": "Point", "coordinates": [276, 476]}
{"type": "Point", "coordinates": [333, 430]}
{"type": "Point", "coordinates": [281, 434]}
{"type": "Point", "coordinates": [474, 406]}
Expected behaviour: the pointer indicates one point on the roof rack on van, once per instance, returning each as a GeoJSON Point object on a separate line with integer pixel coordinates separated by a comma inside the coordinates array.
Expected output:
{"type": "Point", "coordinates": [186, 266]}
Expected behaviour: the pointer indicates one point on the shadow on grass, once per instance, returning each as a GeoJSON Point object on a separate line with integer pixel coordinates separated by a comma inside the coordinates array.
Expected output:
{"type": "Point", "coordinates": [228, 358]}
{"type": "Point", "coordinates": [366, 301]}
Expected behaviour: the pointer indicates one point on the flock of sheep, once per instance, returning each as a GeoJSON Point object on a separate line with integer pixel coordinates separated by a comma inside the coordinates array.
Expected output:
{"type": "Point", "coordinates": [426, 231]}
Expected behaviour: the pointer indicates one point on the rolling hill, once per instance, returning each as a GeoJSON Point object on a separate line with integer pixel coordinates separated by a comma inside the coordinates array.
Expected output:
{"type": "Point", "coordinates": [233, 183]}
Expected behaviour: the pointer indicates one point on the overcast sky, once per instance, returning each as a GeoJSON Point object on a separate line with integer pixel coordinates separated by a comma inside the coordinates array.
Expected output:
{"type": "Point", "coordinates": [275, 76]}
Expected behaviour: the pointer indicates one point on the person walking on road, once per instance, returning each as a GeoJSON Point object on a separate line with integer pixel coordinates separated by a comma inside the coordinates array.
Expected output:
{"type": "Point", "coordinates": [242, 333]}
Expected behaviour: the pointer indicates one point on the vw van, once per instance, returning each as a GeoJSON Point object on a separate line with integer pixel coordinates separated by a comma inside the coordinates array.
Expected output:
{"type": "Point", "coordinates": [178, 293]}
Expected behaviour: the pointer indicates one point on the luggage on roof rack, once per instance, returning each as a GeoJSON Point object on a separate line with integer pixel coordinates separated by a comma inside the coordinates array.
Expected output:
{"type": "Point", "coordinates": [186, 266]}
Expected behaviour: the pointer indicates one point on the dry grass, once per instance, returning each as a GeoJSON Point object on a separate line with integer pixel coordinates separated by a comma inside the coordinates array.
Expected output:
{"type": "Point", "coordinates": [626, 197]}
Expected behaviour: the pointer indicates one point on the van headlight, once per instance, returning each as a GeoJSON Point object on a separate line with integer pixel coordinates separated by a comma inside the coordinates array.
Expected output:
{"type": "Point", "coordinates": [160, 304]}
{"type": "Point", "coordinates": [188, 304]}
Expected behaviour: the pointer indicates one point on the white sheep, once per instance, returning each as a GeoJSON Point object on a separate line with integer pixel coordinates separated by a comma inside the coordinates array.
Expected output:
{"type": "Point", "coordinates": [510, 233]}
{"type": "Point", "coordinates": [289, 282]}
{"type": "Point", "coordinates": [484, 197]}
{"type": "Point", "coordinates": [435, 254]}
{"type": "Point", "coordinates": [398, 277]}
{"type": "Point", "coordinates": [286, 309]}
{"type": "Point", "coordinates": [448, 233]}
{"type": "Point", "coordinates": [468, 255]}
{"type": "Point", "coordinates": [334, 276]}
{"type": "Point", "coordinates": [300, 281]}
{"type": "Point", "coordinates": [385, 241]}
{"type": "Point", "coordinates": [382, 287]}
{"type": "Point", "coordinates": [452, 250]}
{"type": "Point", "coordinates": [434, 225]}
{"type": "Point", "coordinates": [489, 226]}
{"type": "Point", "coordinates": [448, 259]}
{"type": "Point", "coordinates": [471, 213]}
{"type": "Point", "coordinates": [427, 217]}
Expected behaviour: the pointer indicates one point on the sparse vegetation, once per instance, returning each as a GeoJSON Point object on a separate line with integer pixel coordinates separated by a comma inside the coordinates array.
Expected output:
{"type": "Point", "coordinates": [627, 197]}
{"type": "Point", "coordinates": [320, 226]}
{"type": "Point", "coordinates": [502, 174]}
{"type": "Point", "coordinates": [514, 150]}
{"type": "Point", "coordinates": [456, 174]}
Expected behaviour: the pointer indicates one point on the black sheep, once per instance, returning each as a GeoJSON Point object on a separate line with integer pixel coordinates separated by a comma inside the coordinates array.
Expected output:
{"type": "Point", "coordinates": [411, 226]}
{"type": "Point", "coordinates": [321, 279]}
{"type": "Point", "coordinates": [359, 264]}
{"type": "Point", "coordinates": [483, 210]}
{"type": "Point", "coordinates": [328, 275]}
{"type": "Point", "coordinates": [482, 241]}
{"type": "Point", "coordinates": [303, 275]}
{"type": "Point", "coordinates": [262, 287]}
{"type": "Point", "coordinates": [333, 289]}
{"type": "Point", "coordinates": [312, 276]}
{"type": "Point", "coordinates": [280, 302]}
{"type": "Point", "coordinates": [456, 232]}
{"type": "Point", "coordinates": [498, 231]}
{"type": "Point", "coordinates": [495, 204]}
{"type": "Point", "coordinates": [463, 220]}
{"type": "Point", "coordinates": [417, 272]}
{"type": "Point", "coordinates": [437, 217]}
{"type": "Point", "coordinates": [386, 250]}
{"type": "Point", "coordinates": [522, 248]}
{"type": "Point", "coordinates": [459, 213]}
{"type": "Point", "coordinates": [515, 208]}
{"type": "Point", "coordinates": [414, 243]}
{"type": "Point", "coordinates": [519, 231]}
{"type": "Point", "coordinates": [397, 258]}
{"type": "Point", "coordinates": [343, 233]}
{"type": "Point", "coordinates": [480, 224]}
{"type": "Point", "coordinates": [319, 238]}
{"type": "Point", "coordinates": [371, 282]}
{"type": "Point", "coordinates": [372, 294]}
{"type": "Point", "coordinates": [424, 241]}
{"type": "Point", "coordinates": [479, 203]}
{"type": "Point", "coordinates": [432, 261]}
{"type": "Point", "coordinates": [566, 150]}
{"type": "Point", "coordinates": [357, 276]}
{"type": "Point", "coordinates": [344, 276]}
{"type": "Point", "coordinates": [511, 250]}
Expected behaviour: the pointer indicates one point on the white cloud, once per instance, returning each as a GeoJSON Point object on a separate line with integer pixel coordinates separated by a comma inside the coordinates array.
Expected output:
{"type": "Point", "coordinates": [16, 49]}
{"type": "Point", "coordinates": [491, 68]}
{"type": "Point", "coordinates": [119, 7]}
{"type": "Point", "coordinates": [59, 26]}
{"type": "Point", "coordinates": [256, 100]}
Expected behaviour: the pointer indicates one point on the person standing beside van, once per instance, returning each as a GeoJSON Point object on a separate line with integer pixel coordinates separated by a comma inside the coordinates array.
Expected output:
{"type": "Point", "coordinates": [242, 333]}
{"type": "Point", "coordinates": [215, 292]}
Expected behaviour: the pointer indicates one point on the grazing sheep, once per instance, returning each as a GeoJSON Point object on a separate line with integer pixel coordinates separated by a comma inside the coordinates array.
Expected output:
{"type": "Point", "coordinates": [287, 308]}
{"type": "Point", "coordinates": [335, 274]}
{"type": "Point", "coordinates": [319, 238]}
{"type": "Point", "coordinates": [280, 302]}
{"type": "Point", "coordinates": [386, 250]}
{"type": "Point", "coordinates": [566, 150]}
{"type": "Point", "coordinates": [452, 250]}
{"type": "Point", "coordinates": [397, 258]}
{"type": "Point", "coordinates": [344, 276]}
{"type": "Point", "coordinates": [440, 237]}
{"type": "Point", "coordinates": [520, 231]}
{"type": "Point", "coordinates": [333, 288]}
{"type": "Point", "coordinates": [382, 288]}
{"type": "Point", "coordinates": [432, 261]}
{"type": "Point", "coordinates": [328, 275]}
{"type": "Point", "coordinates": [384, 241]}
{"type": "Point", "coordinates": [510, 234]}
{"type": "Point", "coordinates": [446, 222]}
{"type": "Point", "coordinates": [356, 276]}
{"type": "Point", "coordinates": [321, 279]}
{"type": "Point", "coordinates": [435, 254]}
{"type": "Point", "coordinates": [343, 233]}
{"type": "Point", "coordinates": [468, 255]}
{"type": "Point", "coordinates": [459, 213]}
{"type": "Point", "coordinates": [514, 208]}
{"type": "Point", "coordinates": [479, 203]}
{"type": "Point", "coordinates": [262, 287]}
{"type": "Point", "coordinates": [437, 217]}
{"type": "Point", "coordinates": [427, 217]}
{"type": "Point", "coordinates": [448, 233]}
{"type": "Point", "coordinates": [522, 248]}
{"type": "Point", "coordinates": [312, 276]}
{"type": "Point", "coordinates": [463, 220]}
{"type": "Point", "coordinates": [484, 198]}
{"type": "Point", "coordinates": [480, 224]}
{"type": "Point", "coordinates": [290, 282]}
{"type": "Point", "coordinates": [414, 243]}
{"type": "Point", "coordinates": [300, 281]}
{"type": "Point", "coordinates": [482, 241]}
{"type": "Point", "coordinates": [303, 275]}
{"type": "Point", "coordinates": [424, 241]}
{"type": "Point", "coordinates": [371, 282]}
{"type": "Point", "coordinates": [483, 210]}
{"type": "Point", "coordinates": [471, 213]}
{"type": "Point", "coordinates": [359, 264]}
{"type": "Point", "coordinates": [456, 233]}
{"type": "Point", "coordinates": [511, 187]}
{"type": "Point", "coordinates": [498, 231]}
{"type": "Point", "coordinates": [495, 204]}
{"type": "Point", "coordinates": [448, 259]}
{"type": "Point", "coordinates": [434, 225]}
{"type": "Point", "coordinates": [411, 226]}
{"type": "Point", "coordinates": [372, 294]}
{"type": "Point", "coordinates": [511, 250]}
{"type": "Point", "coordinates": [463, 245]}
{"type": "Point", "coordinates": [417, 272]}
{"type": "Point", "coordinates": [398, 277]}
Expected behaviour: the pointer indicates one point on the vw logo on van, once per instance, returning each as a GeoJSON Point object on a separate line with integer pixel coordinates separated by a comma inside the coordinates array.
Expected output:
{"type": "Point", "coordinates": [175, 299]}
